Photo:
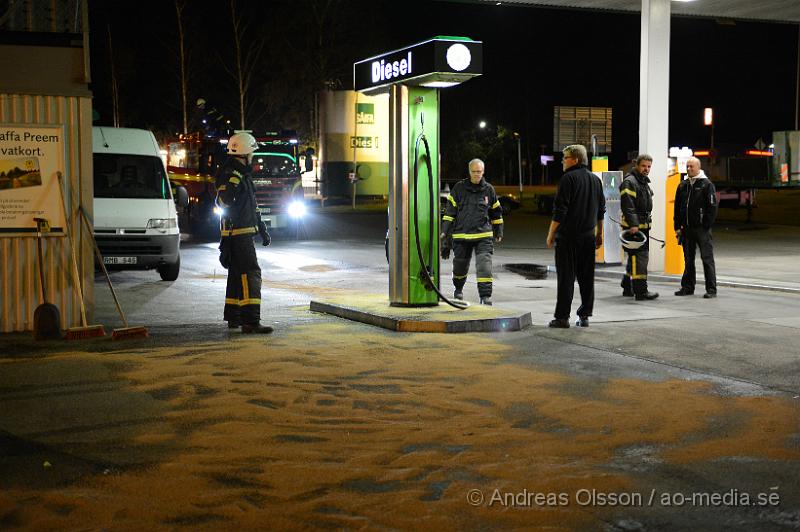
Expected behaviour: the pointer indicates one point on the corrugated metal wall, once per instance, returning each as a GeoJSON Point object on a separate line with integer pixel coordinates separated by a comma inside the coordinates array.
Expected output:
{"type": "Point", "coordinates": [20, 293]}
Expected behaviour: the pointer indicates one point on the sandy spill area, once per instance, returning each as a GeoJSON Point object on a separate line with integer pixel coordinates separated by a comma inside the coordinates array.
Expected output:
{"type": "Point", "coordinates": [326, 428]}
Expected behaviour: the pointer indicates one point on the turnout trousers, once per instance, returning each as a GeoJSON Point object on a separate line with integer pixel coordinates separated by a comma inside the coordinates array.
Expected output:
{"type": "Point", "coordinates": [575, 260]}
{"type": "Point", "coordinates": [243, 292]}
{"type": "Point", "coordinates": [462, 254]}
{"type": "Point", "coordinates": [695, 237]}
{"type": "Point", "coordinates": [635, 278]}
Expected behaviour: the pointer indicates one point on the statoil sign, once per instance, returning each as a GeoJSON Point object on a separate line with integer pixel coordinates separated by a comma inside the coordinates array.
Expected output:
{"type": "Point", "coordinates": [438, 62]}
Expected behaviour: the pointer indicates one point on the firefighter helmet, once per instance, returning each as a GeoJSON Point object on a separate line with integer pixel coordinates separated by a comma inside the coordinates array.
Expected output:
{"type": "Point", "coordinates": [242, 144]}
{"type": "Point", "coordinates": [632, 241]}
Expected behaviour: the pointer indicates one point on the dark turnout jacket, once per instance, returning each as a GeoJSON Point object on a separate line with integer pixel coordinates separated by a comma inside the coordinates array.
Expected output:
{"type": "Point", "coordinates": [236, 195]}
{"type": "Point", "coordinates": [695, 204]}
{"type": "Point", "coordinates": [473, 212]}
{"type": "Point", "coordinates": [636, 201]}
{"type": "Point", "coordinates": [579, 203]}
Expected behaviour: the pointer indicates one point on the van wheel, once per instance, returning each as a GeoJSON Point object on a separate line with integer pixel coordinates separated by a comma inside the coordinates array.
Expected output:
{"type": "Point", "coordinates": [169, 272]}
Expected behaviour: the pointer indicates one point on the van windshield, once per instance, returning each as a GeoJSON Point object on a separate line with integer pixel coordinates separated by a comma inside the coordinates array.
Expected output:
{"type": "Point", "coordinates": [129, 176]}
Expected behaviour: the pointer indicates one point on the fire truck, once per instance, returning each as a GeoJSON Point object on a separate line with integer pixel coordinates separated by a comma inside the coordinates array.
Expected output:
{"type": "Point", "coordinates": [194, 159]}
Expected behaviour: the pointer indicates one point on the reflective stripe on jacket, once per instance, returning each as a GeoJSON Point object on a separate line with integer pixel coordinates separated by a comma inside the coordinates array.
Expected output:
{"type": "Point", "coordinates": [236, 196]}
{"type": "Point", "coordinates": [636, 201]}
{"type": "Point", "coordinates": [472, 212]}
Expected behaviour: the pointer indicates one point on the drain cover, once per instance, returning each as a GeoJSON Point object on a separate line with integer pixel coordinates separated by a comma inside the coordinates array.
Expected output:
{"type": "Point", "coordinates": [529, 271]}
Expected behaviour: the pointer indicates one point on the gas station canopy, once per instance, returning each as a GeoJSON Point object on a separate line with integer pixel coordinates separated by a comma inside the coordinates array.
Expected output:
{"type": "Point", "coordinates": [787, 11]}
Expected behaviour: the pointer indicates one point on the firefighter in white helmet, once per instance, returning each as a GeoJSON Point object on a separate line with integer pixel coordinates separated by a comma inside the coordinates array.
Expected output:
{"type": "Point", "coordinates": [240, 221]}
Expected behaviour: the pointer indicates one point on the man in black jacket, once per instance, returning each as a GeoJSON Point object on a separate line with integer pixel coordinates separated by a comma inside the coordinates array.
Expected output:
{"type": "Point", "coordinates": [472, 220]}
{"type": "Point", "coordinates": [695, 211]}
{"type": "Point", "coordinates": [636, 204]}
{"type": "Point", "coordinates": [576, 231]}
{"type": "Point", "coordinates": [240, 222]}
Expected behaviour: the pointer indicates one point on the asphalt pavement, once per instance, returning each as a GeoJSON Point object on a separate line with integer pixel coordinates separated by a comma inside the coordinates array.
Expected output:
{"type": "Point", "coordinates": [673, 414]}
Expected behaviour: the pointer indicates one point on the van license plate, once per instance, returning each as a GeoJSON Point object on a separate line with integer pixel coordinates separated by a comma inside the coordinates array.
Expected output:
{"type": "Point", "coordinates": [120, 260]}
{"type": "Point", "coordinates": [264, 210]}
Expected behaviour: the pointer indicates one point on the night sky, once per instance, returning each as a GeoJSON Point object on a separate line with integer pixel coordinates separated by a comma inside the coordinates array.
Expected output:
{"type": "Point", "coordinates": [534, 59]}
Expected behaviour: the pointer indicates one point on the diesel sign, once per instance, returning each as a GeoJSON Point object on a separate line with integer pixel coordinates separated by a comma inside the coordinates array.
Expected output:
{"type": "Point", "coordinates": [439, 62]}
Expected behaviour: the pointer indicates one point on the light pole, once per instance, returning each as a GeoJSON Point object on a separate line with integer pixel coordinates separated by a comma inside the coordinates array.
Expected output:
{"type": "Point", "coordinates": [519, 163]}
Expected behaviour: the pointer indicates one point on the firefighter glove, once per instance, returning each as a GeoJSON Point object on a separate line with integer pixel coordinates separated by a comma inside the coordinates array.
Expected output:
{"type": "Point", "coordinates": [262, 230]}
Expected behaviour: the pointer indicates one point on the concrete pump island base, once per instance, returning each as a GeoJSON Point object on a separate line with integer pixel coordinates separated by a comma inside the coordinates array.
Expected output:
{"type": "Point", "coordinates": [375, 310]}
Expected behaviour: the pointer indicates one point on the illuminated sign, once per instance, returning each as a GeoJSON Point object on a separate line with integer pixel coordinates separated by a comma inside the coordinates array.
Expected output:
{"type": "Point", "coordinates": [438, 62]}
{"type": "Point", "coordinates": [458, 57]}
{"type": "Point", "coordinates": [365, 142]}
{"type": "Point", "coordinates": [381, 70]}
{"type": "Point", "coordinates": [762, 153]}
{"type": "Point", "coordinates": [708, 116]}
{"type": "Point", "coordinates": [365, 113]}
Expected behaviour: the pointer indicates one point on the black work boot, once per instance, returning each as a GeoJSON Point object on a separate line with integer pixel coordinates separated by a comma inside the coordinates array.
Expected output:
{"type": "Point", "coordinates": [646, 296]}
{"type": "Point", "coordinates": [256, 328]}
{"type": "Point", "coordinates": [559, 324]}
{"type": "Point", "coordinates": [486, 300]}
{"type": "Point", "coordinates": [458, 294]}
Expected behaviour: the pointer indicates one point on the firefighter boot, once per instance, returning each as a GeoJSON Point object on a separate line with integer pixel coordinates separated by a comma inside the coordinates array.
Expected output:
{"type": "Point", "coordinates": [256, 328]}
{"type": "Point", "coordinates": [627, 290]}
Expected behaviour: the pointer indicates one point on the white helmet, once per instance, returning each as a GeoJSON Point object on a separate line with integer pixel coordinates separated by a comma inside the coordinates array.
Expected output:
{"type": "Point", "coordinates": [632, 241]}
{"type": "Point", "coordinates": [242, 144]}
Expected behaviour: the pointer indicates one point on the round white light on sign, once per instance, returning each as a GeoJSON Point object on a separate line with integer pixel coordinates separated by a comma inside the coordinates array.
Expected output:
{"type": "Point", "coordinates": [458, 57]}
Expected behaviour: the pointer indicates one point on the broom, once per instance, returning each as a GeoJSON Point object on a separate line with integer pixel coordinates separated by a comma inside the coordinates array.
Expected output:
{"type": "Point", "coordinates": [127, 331]}
{"type": "Point", "coordinates": [84, 331]}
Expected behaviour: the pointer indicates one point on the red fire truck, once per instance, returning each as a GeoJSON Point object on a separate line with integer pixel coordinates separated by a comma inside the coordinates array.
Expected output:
{"type": "Point", "coordinates": [193, 160]}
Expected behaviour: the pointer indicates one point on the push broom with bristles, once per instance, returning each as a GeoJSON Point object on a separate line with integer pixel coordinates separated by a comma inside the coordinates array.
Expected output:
{"type": "Point", "coordinates": [84, 331]}
{"type": "Point", "coordinates": [127, 331]}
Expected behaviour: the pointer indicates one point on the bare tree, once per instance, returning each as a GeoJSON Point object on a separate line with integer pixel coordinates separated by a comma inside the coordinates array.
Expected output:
{"type": "Point", "coordinates": [180, 5]}
{"type": "Point", "coordinates": [114, 81]}
{"type": "Point", "coordinates": [247, 50]}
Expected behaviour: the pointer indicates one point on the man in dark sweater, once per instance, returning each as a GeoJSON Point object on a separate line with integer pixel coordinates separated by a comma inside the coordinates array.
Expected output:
{"type": "Point", "coordinates": [576, 231]}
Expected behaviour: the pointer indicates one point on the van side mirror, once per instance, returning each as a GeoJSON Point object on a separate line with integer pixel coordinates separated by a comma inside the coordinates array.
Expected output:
{"type": "Point", "coordinates": [181, 197]}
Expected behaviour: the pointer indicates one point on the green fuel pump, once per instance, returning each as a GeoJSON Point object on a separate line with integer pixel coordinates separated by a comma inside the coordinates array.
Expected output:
{"type": "Point", "coordinates": [426, 269]}
{"type": "Point", "coordinates": [413, 76]}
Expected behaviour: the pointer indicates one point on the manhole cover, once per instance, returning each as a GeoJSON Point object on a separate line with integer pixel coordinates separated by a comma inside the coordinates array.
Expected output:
{"type": "Point", "coordinates": [529, 271]}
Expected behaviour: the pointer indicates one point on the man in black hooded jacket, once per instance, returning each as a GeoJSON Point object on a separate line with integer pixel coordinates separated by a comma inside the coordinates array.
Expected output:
{"type": "Point", "coordinates": [695, 212]}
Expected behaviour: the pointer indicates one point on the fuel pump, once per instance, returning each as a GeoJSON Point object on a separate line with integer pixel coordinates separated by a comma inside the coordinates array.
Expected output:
{"type": "Point", "coordinates": [413, 77]}
{"type": "Point", "coordinates": [426, 269]}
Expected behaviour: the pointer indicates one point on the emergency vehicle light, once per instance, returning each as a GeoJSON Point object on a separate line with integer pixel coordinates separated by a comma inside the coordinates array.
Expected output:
{"type": "Point", "coordinates": [764, 153]}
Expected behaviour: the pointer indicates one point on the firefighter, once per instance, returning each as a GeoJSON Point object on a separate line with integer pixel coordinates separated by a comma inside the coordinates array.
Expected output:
{"type": "Point", "coordinates": [240, 221]}
{"type": "Point", "coordinates": [472, 220]}
{"type": "Point", "coordinates": [636, 204]}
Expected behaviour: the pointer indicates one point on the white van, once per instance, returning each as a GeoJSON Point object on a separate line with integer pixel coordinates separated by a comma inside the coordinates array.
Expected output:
{"type": "Point", "coordinates": [135, 220]}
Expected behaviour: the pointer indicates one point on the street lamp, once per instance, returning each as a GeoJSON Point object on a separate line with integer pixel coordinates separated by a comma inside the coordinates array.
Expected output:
{"type": "Point", "coordinates": [482, 124]}
{"type": "Point", "coordinates": [708, 120]}
{"type": "Point", "coordinates": [519, 163]}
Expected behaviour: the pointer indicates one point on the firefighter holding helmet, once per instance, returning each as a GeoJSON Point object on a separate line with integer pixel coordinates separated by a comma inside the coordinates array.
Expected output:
{"type": "Point", "coordinates": [636, 204]}
{"type": "Point", "coordinates": [240, 221]}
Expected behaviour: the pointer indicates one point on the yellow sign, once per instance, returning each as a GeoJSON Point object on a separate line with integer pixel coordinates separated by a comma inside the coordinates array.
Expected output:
{"type": "Point", "coordinates": [30, 158]}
